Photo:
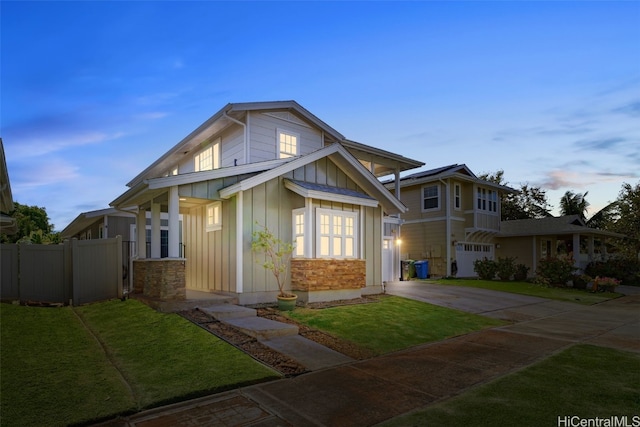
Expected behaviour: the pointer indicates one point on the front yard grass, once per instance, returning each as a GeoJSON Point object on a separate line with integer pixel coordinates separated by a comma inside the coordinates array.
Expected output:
{"type": "Point", "coordinates": [525, 288]}
{"type": "Point", "coordinates": [392, 323]}
{"type": "Point", "coordinates": [55, 372]}
{"type": "Point", "coordinates": [583, 381]}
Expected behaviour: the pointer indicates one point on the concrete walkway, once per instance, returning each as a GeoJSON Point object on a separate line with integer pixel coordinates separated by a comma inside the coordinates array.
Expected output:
{"type": "Point", "coordinates": [369, 392]}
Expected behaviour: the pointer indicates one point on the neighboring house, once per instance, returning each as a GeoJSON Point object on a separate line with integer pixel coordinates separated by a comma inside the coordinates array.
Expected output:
{"type": "Point", "coordinates": [8, 225]}
{"type": "Point", "coordinates": [110, 222]}
{"type": "Point", "coordinates": [268, 164]}
{"type": "Point", "coordinates": [453, 216]}
{"type": "Point", "coordinates": [530, 240]}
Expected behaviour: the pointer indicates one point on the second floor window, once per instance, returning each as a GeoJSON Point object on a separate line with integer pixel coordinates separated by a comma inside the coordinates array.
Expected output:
{"type": "Point", "coordinates": [430, 197]}
{"type": "Point", "coordinates": [208, 158]}
{"type": "Point", "coordinates": [487, 200]}
{"type": "Point", "coordinates": [287, 144]}
{"type": "Point", "coordinates": [457, 204]}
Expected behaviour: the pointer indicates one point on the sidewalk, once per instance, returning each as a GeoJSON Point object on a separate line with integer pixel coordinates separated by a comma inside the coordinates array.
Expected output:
{"type": "Point", "coordinates": [368, 392]}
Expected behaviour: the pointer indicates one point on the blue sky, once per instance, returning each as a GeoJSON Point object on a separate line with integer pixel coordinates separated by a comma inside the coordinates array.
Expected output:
{"type": "Point", "coordinates": [93, 92]}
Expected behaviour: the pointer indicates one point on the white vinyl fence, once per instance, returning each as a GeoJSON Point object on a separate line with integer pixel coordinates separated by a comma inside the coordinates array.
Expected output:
{"type": "Point", "coordinates": [75, 272]}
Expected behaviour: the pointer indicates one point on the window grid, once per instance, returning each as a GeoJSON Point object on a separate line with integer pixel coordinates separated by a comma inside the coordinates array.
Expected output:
{"type": "Point", "coordinates": [288, 144]}
{"type": "Point", "coordinates": [430, 197]}
{"type": "Point", "coordinates": [337, 234]}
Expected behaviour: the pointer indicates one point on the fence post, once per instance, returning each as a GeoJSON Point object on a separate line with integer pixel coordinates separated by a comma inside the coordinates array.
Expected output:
{"type": "Point", "coordinates": [67, 259]}
{"type": "Point", "coordinates": [120, 265]}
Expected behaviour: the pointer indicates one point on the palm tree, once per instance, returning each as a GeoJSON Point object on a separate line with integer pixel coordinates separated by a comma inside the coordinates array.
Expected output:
{"type": "Point", "coordinates": [574, 204]}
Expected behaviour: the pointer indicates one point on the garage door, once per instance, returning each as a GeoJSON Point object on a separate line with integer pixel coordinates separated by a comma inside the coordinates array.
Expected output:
{"type": "Point", "coordinates": [467, 253]}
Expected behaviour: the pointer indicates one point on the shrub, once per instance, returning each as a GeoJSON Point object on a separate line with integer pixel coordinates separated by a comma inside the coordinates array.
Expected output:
{"type": "Point", "coordinates": [485, 268]}
{"type": "Point", "coordinates": [625, 269]}
{"type": "Point", "coordinates": [521, 272]}
{"type": "Point", "coordinates": [580, 281]}
{"type": "Point", "coordinates": [505, 267]}
{"type": "Point", "coordinates": [556, 271]}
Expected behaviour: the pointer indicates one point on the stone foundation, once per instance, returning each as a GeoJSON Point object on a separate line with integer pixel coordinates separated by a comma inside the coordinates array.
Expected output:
{"type": "Point", "coordinates": [162, 279]}
{"type": "Point", "coordinates": [311, 275]}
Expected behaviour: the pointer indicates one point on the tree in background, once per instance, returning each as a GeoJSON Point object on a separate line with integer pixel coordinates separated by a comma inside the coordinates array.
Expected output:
{"type": "Point", "coordinates": [529, 202]}
{"type": "Point", "coordinates": [574, 204]}
{"type": "Point", "coordinates": [625, 219]}
{"type": "Point", "coordinates": [33, 226]}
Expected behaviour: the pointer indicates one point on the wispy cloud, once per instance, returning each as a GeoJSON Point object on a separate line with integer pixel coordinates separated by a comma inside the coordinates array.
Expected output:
{"type": "Point", "coordinates": [152, 115]}
{"type": "Point", "coordinates": [601, 144]}
{"type": "Point", "coordinates": [632, 109]}
{"type": "Point", "coordinates": [557, 179]}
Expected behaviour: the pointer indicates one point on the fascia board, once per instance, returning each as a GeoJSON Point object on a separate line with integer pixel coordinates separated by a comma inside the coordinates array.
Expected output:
{"type": "Point", "coordinates": [456, 175]}
{"type": "Point", "coordinates": [333, 197]}
{"type": "Point", "coordinates": [190, 178]}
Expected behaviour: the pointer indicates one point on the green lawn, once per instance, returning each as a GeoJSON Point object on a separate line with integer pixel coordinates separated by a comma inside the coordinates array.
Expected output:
{"type": "Point", "coordinates": [526, 288]}
{"type": "Point", "coordinates": [393, 323]}
{"type": "Point", "coordinates": [584, 381]}
{"type": "Point", "coordinates": [56, 372]}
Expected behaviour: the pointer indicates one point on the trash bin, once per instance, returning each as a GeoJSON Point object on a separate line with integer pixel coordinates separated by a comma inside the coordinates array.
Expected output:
{"type": "Point", "coordinates": [407, 269]}
{"type": "Point", "coordinates": [422, 269]}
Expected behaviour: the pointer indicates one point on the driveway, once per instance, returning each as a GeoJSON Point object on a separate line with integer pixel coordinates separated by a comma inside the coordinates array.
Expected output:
{"type": "Point", "coordinates": [496, 304]}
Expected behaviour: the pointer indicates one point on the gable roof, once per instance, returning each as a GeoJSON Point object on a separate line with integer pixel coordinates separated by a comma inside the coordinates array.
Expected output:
{"type": "Point", "coordinates": [458, 171]}
{"type": "Point", "coordinates": [232, 112]}
{"type": "Point", "coordinates": [8, 224]}
{"type": "Point", "coordinates": [569, 224]}
{"type": "Point", "coordinates": [344, 160]}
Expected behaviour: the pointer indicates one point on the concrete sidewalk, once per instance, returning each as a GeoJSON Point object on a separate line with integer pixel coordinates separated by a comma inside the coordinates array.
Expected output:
{"type": "Point", "coordinates": [368, 392]}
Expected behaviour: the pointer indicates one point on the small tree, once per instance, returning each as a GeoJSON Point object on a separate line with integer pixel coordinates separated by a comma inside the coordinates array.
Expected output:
{"type": "Point", "coordinates": [278, 254]}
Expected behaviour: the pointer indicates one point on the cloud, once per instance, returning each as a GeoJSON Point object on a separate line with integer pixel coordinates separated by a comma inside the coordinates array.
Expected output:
{"type": "Point", "coordinates": [601, 144]}
{"type": "Point", "coordinates": [152, 115]}
{"type": "Point", "coordinates": [632, 109]}
{"type": "Point", "coordinates": [557, 179]}
{"type": "Point", "coordinates": [32, 175]}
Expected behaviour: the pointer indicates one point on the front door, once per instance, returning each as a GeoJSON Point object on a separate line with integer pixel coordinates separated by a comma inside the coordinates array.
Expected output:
{"type": "Point", "coordinates": [387, 260]}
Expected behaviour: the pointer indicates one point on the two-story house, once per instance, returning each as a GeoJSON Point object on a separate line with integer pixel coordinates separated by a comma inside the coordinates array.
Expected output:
{"type": "Point", "coordinates": [270, 164]}
{"type": "Point", "coordinates": [453, 218]}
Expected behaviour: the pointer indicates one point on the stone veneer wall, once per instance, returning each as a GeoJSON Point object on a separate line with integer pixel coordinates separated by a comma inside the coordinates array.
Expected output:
{"type": "Point", "coordinates": [310, 275]}
{"type": "Point", "coordinates": [160, 278]}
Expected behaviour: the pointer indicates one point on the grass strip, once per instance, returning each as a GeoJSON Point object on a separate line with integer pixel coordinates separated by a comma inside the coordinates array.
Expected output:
{"type": "Point", "coordinates": [53, 371]}
{"type": "Point", "coordinates": [583, 381]}
{"type": "Point", "coordinates": [166, 358]}
{"type": "Point", "coordinates": [579, 296]}
{"type": "Point", "coordinates": [392, 324]}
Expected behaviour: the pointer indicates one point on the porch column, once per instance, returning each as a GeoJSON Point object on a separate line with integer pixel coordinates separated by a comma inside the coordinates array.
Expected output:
{"type": "Point", "coordinates": [239, 242]}
{"type": "Point", "coordinates": [576, 250]}
{"type": "Point", "coordinates": [591, 249]}
{"type": "Point", "coordinates": [155, 230]}
{"type": "Point", "coordinates": [308, 227]}
{"type": "Point", "coordinates": [534, 253]}
{"type": "Point", "coordinates": [174, 222]}
{"type": "Point", "coordinates": [141, 233]}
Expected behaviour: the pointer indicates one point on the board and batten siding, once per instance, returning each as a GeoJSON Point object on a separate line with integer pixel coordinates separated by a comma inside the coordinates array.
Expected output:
{"type": "Point", "coordinates": [263, 132]}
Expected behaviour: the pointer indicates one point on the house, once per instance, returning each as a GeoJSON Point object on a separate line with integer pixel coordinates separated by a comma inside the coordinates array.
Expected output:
{"type": "Point", "coordinates": [452, 216]}
{"type": "Point", "coordinates": [530, 240]}
{"type": "Point", "coordinates": [110, 222]}
{"type": "Point", "coordinates": [8, 225]}
{"type": "Point", "coordinates": [270, 164]}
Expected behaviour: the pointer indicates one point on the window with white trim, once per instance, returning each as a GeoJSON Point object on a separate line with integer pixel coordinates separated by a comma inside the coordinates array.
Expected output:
{"type": "Point", "coordinates": [214, 216]}
{"type": "Point", "coordinates": [298, 232]}
{"type": "Point", "coordinates": [287, 144]}
{"type": "Point", "coordinates": [430, 197]}
{"type": "Point", "coordinates": [208, 158]}
{"type": "Point", "coordinates": [457, 197]}
{"type": "Point", "coordinates": [487, 200]}
{"type": "Point", "coordinates": [336, 234]}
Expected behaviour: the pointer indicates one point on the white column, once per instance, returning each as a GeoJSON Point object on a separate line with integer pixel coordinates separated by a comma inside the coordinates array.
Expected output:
{"type": "Point", "coordinates": [155, 230]}
{"type": "Point", "coordinates": [239, 243]}
{"type": "Point", "coordinates": [308, 227]}
{"type": "Point", "coordinates": [576, 249]}
{"type": "Point", "coordinates": [591, 248]}
{"type": "Point", "coordinates": [174, 222]}
{"type": "Point", "coordinates": [141, 233]}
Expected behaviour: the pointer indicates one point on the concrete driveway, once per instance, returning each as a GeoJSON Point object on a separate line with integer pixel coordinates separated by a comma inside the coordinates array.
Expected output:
{"type": "Point", "coordinates": [496, 304]}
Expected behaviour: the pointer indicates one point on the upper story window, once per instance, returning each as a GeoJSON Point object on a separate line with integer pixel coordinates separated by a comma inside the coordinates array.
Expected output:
{"type": "Point", "coordinates": [208, 158]}
{"type": "Point", "coordinates": [430, 197]}
{"type": "Point", "coordinates": [288, 144]}
{"type": "Point", "coordinates": [457, 196]}
{"type": "Point", "coordinates": [214, 216]}
{"type": "Point", "coordinates": [487, 200]}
